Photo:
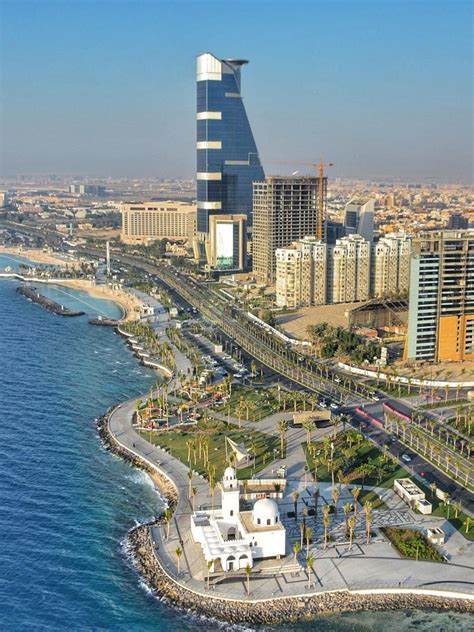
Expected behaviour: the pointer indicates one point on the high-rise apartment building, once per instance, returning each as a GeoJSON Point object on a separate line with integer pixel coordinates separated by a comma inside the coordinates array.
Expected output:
{"type": "Point", "coordinates": [349, 270]}
{"type": "Point", "coordinates": [457, 221]}
{"type": "Point", "coordinates": [391, 265]}
{"type": "Point", "coordinates": [143, 222]}
{"type": "Point", "coordinates": [359, 218]}
{"type": "Point", "coordinates": [301, 274]}
{"type": "Point", "coordinates": [285, 209]}
{"type": "Point", "coordinates": [441, 307]}
{"type": "Point", "coordinates": [227, 156]}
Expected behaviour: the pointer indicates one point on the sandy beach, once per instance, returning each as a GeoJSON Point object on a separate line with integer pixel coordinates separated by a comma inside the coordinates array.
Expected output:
{"type": "Point", "coordinates": [128, 304]}
{"type": "Point", "coordinates": [38, 256]}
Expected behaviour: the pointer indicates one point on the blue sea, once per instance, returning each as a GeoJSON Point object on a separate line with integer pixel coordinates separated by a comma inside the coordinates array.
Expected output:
{"type": "Point", "coordinates": [66, 504]}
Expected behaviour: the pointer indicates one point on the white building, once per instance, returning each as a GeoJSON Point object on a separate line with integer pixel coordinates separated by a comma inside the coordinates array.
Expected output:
{"type": "Point", "coordinates": [235, 538]}
{"type": "Point", "coordinates": [359, 218]}
{"type": "Point", "coordinates": [412, 495]}
{"type": "Point", "coordinates": [391, 265]}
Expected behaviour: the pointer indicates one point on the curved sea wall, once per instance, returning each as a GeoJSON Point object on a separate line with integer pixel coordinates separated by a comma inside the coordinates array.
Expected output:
{"type": "Point", "coordinates": [264, 611]}
{"type": "Point", "coordinates": [166, 487]}
{"type": "Point", "coordinates": [280, 609]}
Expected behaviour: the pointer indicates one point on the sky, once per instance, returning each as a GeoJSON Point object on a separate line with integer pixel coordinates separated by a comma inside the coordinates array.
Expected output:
{"type": "Point", "coordinates": [382, 88]}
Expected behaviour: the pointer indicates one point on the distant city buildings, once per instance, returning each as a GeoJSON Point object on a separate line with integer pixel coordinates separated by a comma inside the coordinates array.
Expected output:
{"type": "Point", "coordinates": [143, 222]}
{"type": "Point", "coordinates": [227, 156]}
{"type": "Point", "coordinates": [441, 299]}
{"type": "Point", "coordinates": [285, 209]}
{"type": "Point", "coordinates": [457, 221]}
{"type": "Point", "coordinates": [359, 218]}
{"type": "Point", "coordinates": [87, 189]}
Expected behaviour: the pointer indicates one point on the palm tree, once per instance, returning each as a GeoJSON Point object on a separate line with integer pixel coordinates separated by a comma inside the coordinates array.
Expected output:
{"type": "Point", "coordinates": [179, 553]}
{"type": "Point", "coordinates": [355, 491]}
{"type": "Point", "coordinates": [307, 533]}
{"type": "Point", "coordinates": [248, 570]}
{"type": "Point", "coordinates": [346, 508]}
{"type": "Point", "coordinates": [335, 498]}
{"type": "Point", "coordinates": [209, 566]}
{"type": "Point", "coordinates": [193, 493]}
{"type": "Point", "coordinates": [351, 525]}
{"type": "Point", "coordinates": [326, 524]}
{"type": "Point", "coordinates": [282, 430]}
{"type": "Point", "coordinates": [467, 524]}
{"type": "Point", "coordinates": [309, 426]}
{"type": "Point", "coordinates": [368, 519]}
{"type": "Point", "coordinates": [296, 550]}
{"type": "Point", "coordinates": [295, 495]}
{"type": "Point", "coordinates": [168, 516]}
{"type": "Point", "coordinates": [310, 563]}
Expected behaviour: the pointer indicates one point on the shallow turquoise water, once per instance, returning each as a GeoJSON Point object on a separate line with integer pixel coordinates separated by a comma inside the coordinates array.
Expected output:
{"type": "Point", "coordinates": [66, 504]}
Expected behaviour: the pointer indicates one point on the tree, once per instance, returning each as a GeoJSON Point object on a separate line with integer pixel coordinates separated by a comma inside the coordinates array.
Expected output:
{"type": "Point", "coordinates": [346, 508]}
{"type": "Point", "coordinates": [368, 519]}
{"type": "Point", "coordinates": [326, 524]}
{"type": "Point", "coordinates": [179, 553]}
{"type": "Point", "coordinates": [351, 525]}
{"type": "Point", "coordinates": [248, 570]}
{"type": "Point", "coordinates": [355, 491]}
{"type": "Point", "coordinates": [193, 493]}
{"type": "Point", "coordinates": [335, 498]}
{"type": "Point", "coordinates": [210, 564]}
{"type": "Point", "coordinates": [295, 495]}
{"type": "Point", "coordinates": [282, 430]}
{"type": "Point", "coordinates": [308, 532]}
{"type": "Point", "coordinates": [310, 563]}
{"type": "Point", "coordinates": [467, 524]}
{"type": "Point", "coordinates": [168, 516]}
{"type": "Point", "coordinates": [296, 550]}
{"type": "Point", "coordinates": [309, 426]}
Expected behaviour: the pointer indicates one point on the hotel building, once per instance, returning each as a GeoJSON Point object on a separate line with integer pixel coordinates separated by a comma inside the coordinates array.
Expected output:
{"type": "Point", "coordinates": [148, 221]}
{"type": "Point", "coordinates": [227, 156]}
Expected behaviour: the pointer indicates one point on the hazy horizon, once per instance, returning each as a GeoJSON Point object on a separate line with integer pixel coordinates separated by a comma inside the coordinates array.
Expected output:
{"type": "Point", "coordinates": [108, 88]}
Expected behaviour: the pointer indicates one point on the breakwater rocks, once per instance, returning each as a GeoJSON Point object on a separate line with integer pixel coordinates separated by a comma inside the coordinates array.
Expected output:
{"type": "Point", "coordinates": [270, 611]}
{"type": "Point", "coordinates": [55, 308]}
{"type": "Point", "coordinates": [167, 490]}
{"type": "Point", "coordinates": [104, 322]}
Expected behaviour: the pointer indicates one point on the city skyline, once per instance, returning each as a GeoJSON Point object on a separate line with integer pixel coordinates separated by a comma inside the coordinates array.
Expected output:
{"type": "Point", "coordinates": [388, 94]}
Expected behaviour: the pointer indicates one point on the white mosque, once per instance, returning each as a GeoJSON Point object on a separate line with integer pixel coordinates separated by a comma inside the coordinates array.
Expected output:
{"type": "Point", "coordinates": [236, 538]}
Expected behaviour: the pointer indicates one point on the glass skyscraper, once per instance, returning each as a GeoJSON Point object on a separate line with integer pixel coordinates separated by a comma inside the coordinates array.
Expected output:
{"type": "Point", "coordinates": [227, 157]}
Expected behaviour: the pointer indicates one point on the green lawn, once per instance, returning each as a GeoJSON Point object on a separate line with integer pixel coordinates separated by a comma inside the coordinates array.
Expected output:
{"type": "Point", "coordinates": [257, 403]}
{"type": "Point", "coordinates": [412, 544]}
{"type": "Point", "coordinates": [360, 463]}
{"type": "Point", "coordinates": [371, 496]}
{"type": "Point", "coordinates": [216, 431]}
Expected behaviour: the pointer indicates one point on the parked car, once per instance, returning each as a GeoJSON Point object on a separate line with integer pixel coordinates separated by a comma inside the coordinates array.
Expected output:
{"type": "Point", "coordinates": [406, 458]}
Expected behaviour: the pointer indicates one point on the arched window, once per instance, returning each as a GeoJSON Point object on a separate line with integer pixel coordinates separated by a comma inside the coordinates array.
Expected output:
{"type": "Point", "coordinates": [231, 512]}
{"type": "Point", "coordinates": [276, 519]}
{"type": "Point", "coordinates": [268, 521]}
{"type": "Point", "coordinates": [258, 521]}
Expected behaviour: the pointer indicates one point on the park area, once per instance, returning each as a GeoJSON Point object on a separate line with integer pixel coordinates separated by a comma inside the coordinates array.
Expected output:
{"type": "Point", "coordinates": [350, 458]}
{"type": "Point", "coordinates": [203, 447]}
{"type": "Point", "coordinates": [250, 403]}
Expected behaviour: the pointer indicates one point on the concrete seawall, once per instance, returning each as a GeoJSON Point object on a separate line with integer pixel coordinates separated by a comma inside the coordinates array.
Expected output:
{"type": "Point", "coordinates": [262, 611]}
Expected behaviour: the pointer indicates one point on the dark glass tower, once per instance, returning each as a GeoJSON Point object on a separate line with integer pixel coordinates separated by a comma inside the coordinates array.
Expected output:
{"type": "Point", "coordinates": [227, 157]}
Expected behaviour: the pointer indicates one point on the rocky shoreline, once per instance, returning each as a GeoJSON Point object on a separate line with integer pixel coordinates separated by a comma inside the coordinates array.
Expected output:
{"type": "Point", "coordinates": [167, 489]}
{"type": "Point", "coordinates": [271, 611]}
{"type": "Point", "coordinates": [277, 610]}
{"type": "Point", "coordinates": [55, 308]}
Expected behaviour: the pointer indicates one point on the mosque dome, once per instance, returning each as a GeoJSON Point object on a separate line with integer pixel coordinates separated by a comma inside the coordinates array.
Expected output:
{"type": "Point", "coordinates": [265, 512]}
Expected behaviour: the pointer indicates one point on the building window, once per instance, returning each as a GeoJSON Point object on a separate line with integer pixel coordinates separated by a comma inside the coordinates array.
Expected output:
{"type": "Point", "coordinates": [268, 521]}
{"type": "Point", "coordinates": [231, 512]}
{"type": "Point", "coordinates": [258, 520]}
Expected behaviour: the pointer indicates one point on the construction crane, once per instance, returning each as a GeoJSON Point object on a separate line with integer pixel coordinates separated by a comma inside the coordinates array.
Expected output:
{"type": "Point", "coordinates": [319, 167]}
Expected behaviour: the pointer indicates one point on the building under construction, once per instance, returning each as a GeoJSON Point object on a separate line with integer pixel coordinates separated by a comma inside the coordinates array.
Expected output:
{"type": "Point", "coordinates": [285, 209]}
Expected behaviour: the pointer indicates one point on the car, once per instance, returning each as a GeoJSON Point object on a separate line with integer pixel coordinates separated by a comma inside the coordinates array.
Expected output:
{"type": "Point", "coordinates": [333, 406]}
{"type": "Point", "coordinates": [337, 380]}
{"type": "Point", "coordinates": [406, 458]}
{"type": "Point", "coordinates": [323, 404]}
{"type": "Point", "coordinates": [376, 398]}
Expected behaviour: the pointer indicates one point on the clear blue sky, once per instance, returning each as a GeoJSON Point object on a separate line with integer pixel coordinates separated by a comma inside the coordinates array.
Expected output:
{"type": "Point", "coordinates": [380, 87]}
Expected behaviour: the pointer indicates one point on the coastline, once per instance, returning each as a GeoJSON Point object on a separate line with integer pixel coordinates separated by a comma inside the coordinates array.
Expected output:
{"type": "Point", "coordinates": [38, 256]}
{"type": "Point", "coordinates": [274, 610]}
{"type": "Point", "coordinates": [128, 304]}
